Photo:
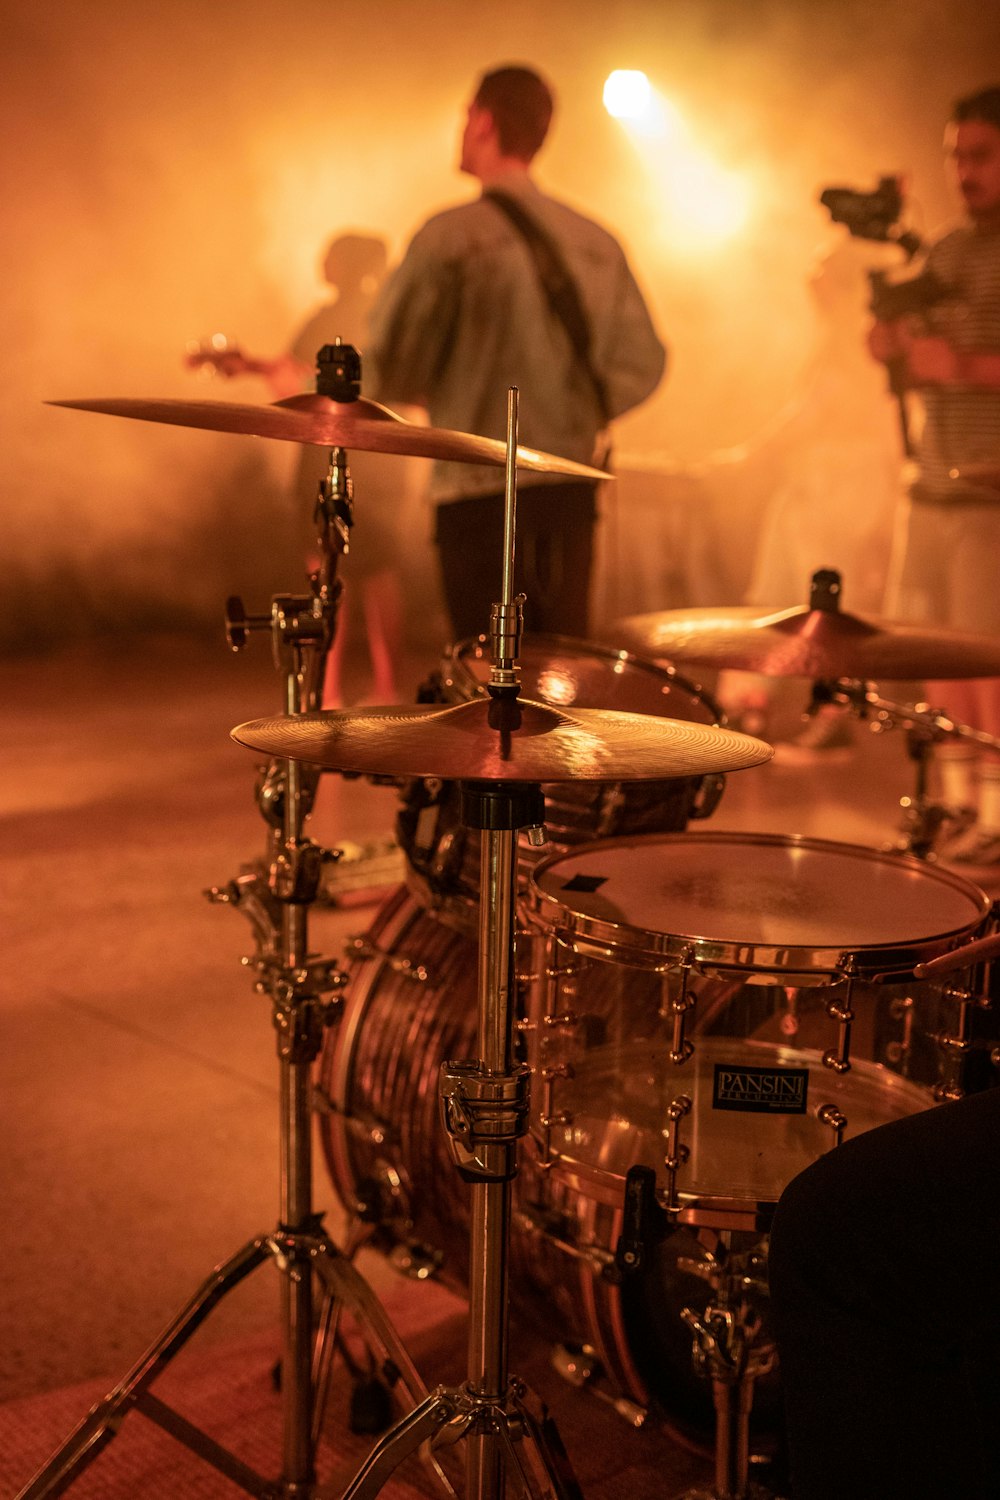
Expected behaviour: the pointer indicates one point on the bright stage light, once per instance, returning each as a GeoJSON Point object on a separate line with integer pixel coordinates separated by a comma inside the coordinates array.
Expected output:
{"type": "Point", "coordinates": [627, 94]}
{"type": "Point", "coordinates": [704, 204]}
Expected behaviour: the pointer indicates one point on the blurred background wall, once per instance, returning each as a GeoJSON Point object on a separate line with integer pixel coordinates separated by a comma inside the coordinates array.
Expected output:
{"type": "Point", "coordinates": [176, 169]}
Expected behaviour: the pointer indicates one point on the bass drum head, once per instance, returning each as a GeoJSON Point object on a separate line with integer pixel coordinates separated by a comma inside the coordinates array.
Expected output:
{"type": "Point", "coordinates": [410, 1004]}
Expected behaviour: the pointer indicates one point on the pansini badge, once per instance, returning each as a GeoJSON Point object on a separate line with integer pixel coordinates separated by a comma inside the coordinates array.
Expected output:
{"type": "Point", "coordinates": [780, 1091]}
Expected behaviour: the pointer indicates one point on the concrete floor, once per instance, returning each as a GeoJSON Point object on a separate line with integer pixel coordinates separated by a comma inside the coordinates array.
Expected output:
{"type": "Point", "coordinates": [138, 1099]}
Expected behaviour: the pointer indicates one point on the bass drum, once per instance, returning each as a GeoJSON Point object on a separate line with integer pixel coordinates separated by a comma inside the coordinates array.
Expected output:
{"type": "Point", "coordinates": [410, 1003]}
{"type": "Point", "coordinates": [443, 856]}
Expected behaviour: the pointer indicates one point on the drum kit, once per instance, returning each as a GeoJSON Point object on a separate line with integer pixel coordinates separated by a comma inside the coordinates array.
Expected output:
{"type": "Point", "coordinates": [624, 1046]}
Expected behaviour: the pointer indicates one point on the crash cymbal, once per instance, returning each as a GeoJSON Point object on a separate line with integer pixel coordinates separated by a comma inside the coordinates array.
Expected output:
{"type": "Point", "coordinates": [362, 425]}
{"type": "Point", "coordinates": [816, 643]}
{"type": "Point", "coordinates": [460, 744]}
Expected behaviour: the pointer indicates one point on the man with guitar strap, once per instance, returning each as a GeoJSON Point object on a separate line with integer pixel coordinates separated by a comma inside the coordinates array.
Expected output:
{"type": "Point", "coordinates": [514, 288]}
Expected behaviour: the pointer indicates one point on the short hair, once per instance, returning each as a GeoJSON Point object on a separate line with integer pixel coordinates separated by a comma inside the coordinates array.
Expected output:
{"type": "Point", "coordinates": [521, 104]}
{"type": "Point", "coordinates": [984, 105]}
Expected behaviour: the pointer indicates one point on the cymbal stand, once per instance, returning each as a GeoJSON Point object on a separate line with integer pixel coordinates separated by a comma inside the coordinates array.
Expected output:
{"type": "Point", "coordinates": [301, 988]}
{"type": "Point", "coordinates": [485, 1112]}
{"type": "Point", "coordinates": [925, 727]}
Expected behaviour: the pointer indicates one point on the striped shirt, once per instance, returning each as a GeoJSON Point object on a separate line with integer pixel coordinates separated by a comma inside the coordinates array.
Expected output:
{"type": "Point", "coordinates": [962, 425]}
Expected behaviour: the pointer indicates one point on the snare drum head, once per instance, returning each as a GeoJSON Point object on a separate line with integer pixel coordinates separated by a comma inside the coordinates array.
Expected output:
{"type": "Point", "coordinates": [566, 673]}
{"type": "Point", "coordinates": [753, 902]}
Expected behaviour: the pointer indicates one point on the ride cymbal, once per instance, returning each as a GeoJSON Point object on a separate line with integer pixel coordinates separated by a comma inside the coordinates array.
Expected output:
{"type": "Point", "coordinates": [818, 643]}
{"type": "Point", "coordinates": [461, 744]}
{"type": "Point", "coordinates": [363, 425]}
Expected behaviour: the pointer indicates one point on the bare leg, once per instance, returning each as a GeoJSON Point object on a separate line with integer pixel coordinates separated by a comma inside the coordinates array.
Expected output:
{"type": "Point", "coordinates": [384, 623]}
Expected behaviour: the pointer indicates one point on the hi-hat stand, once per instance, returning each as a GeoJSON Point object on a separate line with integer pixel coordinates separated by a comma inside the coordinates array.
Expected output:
{"type": "Point", "coordinates": [302, 988]}
{"type": "Point", "coordinates": [484, 1106]}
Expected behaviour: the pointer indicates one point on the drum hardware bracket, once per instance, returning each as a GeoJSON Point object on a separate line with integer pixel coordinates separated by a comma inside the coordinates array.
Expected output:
{"type": "Point", "coordinates": [362, 946]}
{"type": "Point", "coordinates": [371, 1129]}
{"type": "Point", "coordinates": [728, 1350]}
{"type": "Point", "coordinates": [485, 1115]}
{"type": "Point", "coordinates": [294, 872]}
{"type": "Point", "coordinates": [644, 1222]}
{"type": "Point", "coordinates": [579, 1366]}
{"type": "Point", "coordinates": [559, 1227]}
{"type": "Point", "coordinates": [923, 818]}
{"type": "Point", "coordinates": [249, 891]}
{"type": "Point", "coordinates": [708, 795]}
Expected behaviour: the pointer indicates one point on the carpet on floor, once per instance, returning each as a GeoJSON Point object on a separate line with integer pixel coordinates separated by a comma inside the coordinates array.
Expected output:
{"type": "Point", "coordinates": [229, 1391]}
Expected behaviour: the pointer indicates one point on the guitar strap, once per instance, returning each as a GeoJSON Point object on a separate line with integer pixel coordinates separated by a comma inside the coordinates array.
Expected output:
{"type": "Point", "coordinates": [560, 289]}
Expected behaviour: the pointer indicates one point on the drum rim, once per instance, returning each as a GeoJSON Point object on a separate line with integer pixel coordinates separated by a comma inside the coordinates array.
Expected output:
{"type": "Point", "coordinates": [620, 941]}
{"type": "Point", "coordinates": [453, 655]}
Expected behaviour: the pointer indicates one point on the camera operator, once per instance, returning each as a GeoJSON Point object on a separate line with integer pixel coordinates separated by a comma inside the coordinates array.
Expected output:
{"type": "Point", "coordinates": [946, 573]}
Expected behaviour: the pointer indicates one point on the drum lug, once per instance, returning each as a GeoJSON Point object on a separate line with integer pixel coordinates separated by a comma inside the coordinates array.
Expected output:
{"type": "Point", "coordinates": [955, 1046]}
{"type": "Point", "coordinates": [829, 1114]}
{"type": "Point", "coordinates": [680, 1048]}
{"type": "Point", "coordinates": [839, 1059]}
{"type": "Point", "coordinates": [677, 1153]}
{"type": "Point", "coordinates": [898, 1053]}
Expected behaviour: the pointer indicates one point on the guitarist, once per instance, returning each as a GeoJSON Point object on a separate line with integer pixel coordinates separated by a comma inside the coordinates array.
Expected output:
{"type": "Point", "coordinates": [514, 289]}
{"type": "Point", "coordinates": [354, 266]}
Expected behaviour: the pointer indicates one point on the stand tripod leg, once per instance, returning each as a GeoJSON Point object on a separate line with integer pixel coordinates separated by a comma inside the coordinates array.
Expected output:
{"type": "Point", "coordinates": [347, 1286]}
{"type": "Point", "coordinates": [103, 1422]}
{"type": "Point", "coordinates": [423, 1424]}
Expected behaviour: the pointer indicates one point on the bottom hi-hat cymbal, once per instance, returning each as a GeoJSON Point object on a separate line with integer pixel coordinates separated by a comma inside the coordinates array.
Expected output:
{"type": "Point", "coordinates": [816, 643]}
{"type": "Point", "coordinates": [536, 744]}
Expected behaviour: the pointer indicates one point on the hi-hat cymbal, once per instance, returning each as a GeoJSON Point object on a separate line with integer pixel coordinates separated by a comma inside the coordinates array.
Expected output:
{"type": "Point", "coordinates": [459, 744]}
{"type": "Point", "coordinates": [817, 643]}
{"type": "Point", "coordinates": [363, 425]}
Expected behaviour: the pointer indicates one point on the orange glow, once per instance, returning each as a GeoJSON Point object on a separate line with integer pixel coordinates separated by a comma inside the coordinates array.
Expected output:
{"type": "Point", "coordinates": [702, 203]}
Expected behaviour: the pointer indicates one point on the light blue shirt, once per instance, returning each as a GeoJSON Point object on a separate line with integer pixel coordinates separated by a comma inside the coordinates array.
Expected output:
{"type": "Point", "coordinates": [464, 317]}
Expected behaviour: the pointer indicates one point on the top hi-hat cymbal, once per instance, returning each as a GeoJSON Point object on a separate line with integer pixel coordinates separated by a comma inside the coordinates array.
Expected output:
{"type": "Point", "coordinates": [363, 425]}
{"type": "Point", "coordinates": [814, 643]}
{"type": "Point", "coordinates": [460, 743]}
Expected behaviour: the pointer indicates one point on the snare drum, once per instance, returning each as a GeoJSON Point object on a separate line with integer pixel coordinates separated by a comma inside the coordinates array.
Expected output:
{"type": "Point", "coordinates": [443, 856]}
{"type": "Point", "coordinates": [725, 1007]}
{"type": "Point", "coordinates": [410, 1003]}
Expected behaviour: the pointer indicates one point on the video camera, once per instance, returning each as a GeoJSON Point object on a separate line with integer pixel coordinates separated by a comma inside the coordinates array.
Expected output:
{"type": "Point", "coordinates": [875, 216]}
